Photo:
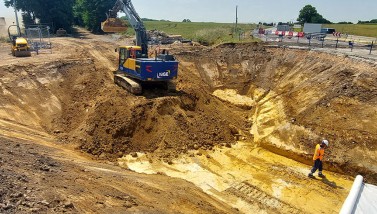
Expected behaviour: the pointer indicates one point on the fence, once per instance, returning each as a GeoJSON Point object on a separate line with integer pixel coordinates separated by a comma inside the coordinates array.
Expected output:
{"type": "Point", "coordinates": [39, 38]}
{"type": "Point", "coordinates": [320, 40]}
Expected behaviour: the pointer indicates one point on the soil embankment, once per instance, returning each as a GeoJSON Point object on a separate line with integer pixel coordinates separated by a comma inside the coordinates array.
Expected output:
{"type": "Point", "coordinates": [283, 100]}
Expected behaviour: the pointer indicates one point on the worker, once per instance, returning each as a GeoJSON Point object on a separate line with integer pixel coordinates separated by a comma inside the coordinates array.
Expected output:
{"type": "Point", "coordinates": [318, 157]}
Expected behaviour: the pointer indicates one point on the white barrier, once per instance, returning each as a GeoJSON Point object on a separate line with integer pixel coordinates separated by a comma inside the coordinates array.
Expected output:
{"type": "Point", "coordinates": [350, 202]}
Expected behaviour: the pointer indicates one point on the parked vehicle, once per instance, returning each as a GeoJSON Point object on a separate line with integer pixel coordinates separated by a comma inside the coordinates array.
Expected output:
{"type": "Point", "coordinates": [328, 30]}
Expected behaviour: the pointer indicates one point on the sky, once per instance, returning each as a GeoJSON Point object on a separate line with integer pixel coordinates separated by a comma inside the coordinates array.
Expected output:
{"type": "Point", "coordinates": [249, 11]}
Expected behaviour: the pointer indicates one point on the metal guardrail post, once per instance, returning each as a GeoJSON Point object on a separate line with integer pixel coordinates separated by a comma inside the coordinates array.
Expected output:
{"type": "Point", "coordinates": [371, 47]}
{"type": "Point", "coordinates": [336, 46]}
{"type": "Point", "coordinates": [350, 43]}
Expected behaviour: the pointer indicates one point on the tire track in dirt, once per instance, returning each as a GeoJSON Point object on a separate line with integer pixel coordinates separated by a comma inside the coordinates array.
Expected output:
{"type": "Point", "coordinates": [253, 194]}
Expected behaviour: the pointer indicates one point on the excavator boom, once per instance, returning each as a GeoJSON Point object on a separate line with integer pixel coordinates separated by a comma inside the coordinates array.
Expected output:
{"type": "Point", "coordinates": [114, 24]}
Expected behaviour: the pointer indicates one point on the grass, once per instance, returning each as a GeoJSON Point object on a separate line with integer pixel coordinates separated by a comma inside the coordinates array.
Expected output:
{"type": "Point", "coordinates": [215, 33]}
{"type": "Point", "coordinates": [204, 32]}
{"type": "Point", "coordinates": [369, 30]}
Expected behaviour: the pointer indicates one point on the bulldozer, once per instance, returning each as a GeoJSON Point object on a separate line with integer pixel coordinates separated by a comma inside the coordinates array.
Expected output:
{"type": "Point", "coordinates": [19, 45]}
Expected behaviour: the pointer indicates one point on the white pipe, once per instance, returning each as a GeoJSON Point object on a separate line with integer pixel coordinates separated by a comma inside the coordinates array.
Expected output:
{"type": "Point", "coordinates": [350, 202]}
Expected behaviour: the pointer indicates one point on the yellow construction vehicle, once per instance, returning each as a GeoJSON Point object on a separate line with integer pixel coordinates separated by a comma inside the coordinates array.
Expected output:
{"type": "Point", "coordinates": [20, 46]}
{"type": "Point", "coordinates": [134, 67]}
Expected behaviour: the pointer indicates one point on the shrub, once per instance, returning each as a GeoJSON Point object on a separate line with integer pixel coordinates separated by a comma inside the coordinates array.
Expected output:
{"type": "Point", "coordinates": [210, 36]}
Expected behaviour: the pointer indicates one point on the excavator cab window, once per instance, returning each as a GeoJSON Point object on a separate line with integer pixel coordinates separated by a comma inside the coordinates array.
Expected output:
{"type": "Point", "coordinates": [133, 53]}
{"type": "Point", "coordinates": [122, 56]}
{"type": "Point", "coordinates": [138, 54]}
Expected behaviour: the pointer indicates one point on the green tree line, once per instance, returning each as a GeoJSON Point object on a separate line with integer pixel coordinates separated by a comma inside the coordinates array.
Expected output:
{"type": "Point", "coordinates": [373, 21]}
{"type": "Point", "coordinates": [56, 13]}
{"type": "Point", "coordinates": [309, 14]}
{"type": "Point", "coordinates": [90, 13]}
{"type": "Point", "coordinates": [63, 13]}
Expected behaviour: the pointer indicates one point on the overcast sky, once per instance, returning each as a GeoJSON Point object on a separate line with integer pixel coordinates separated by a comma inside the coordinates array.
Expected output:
{"type": "Point", "coordinates": [249, 10]}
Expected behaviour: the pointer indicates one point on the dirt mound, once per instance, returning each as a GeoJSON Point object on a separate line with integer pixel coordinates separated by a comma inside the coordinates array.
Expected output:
{"type": "Point", "coordinates": [108, 122]}
{"type": "Point", "coordinates": [165, 126]}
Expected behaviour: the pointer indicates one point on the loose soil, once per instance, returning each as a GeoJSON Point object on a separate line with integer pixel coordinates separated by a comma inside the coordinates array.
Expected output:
{"type": "Point", "coordinates": [64, 124]}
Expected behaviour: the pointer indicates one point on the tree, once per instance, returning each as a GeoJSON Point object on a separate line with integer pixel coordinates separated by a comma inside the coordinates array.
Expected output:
{"type": "Point", "coordinates": [57, 13]}
{"type": "Point", "coordinates": [309, 14]}
{"type": "Point", "coordinates": [345, 22]}
{"type": "Point", "coordinates": [90, 13]}
{"type": "Point", "coordinates": [319, 19]}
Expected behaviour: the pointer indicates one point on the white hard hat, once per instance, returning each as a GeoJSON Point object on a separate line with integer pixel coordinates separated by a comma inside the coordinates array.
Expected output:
{"type": "Point", "coordinates": [325, 142]}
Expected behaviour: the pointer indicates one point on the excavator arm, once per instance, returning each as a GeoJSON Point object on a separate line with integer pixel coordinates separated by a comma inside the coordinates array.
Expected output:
{"type": "Point", "coordinates": [134, 19]}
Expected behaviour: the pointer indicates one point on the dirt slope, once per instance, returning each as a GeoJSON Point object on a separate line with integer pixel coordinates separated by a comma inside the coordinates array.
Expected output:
{"type": "Point", "coordinates": [301, 97]}
{"type": "Point", "coordinates": [42, 177]}
{"type": "Point", "coordinates": [43, 102]}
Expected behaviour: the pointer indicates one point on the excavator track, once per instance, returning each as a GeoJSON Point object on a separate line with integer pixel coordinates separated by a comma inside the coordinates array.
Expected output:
{"type": "Point", "coordinates": [171, 86]}
{"type": "Point", "coordinates": [22, 53]}
{"type": "Point", "coordinates": [128, 83]}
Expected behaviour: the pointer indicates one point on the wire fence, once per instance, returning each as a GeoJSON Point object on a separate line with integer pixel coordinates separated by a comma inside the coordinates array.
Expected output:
{"type": "Point", "coordinates": [39, 38]}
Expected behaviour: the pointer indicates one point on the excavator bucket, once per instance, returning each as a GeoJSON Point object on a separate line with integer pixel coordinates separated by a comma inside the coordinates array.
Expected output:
{"type": "Point", "coordinates": [114, 25]}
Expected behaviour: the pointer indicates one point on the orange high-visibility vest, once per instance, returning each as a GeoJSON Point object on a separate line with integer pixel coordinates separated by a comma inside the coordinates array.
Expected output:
{"type": "Point", "coordinates": [318, 153]}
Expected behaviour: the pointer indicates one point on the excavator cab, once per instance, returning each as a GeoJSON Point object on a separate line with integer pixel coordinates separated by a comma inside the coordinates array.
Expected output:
{"type": "Point", "coordinates": [114, 25]}
{"type": "Point", "coordinates": [135, 68]}
{"type": "Point", "coordinates": [128, 56]}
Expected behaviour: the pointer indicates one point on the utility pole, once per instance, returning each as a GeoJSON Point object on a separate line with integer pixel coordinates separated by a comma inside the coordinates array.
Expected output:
{"type": "Point", "coordinates": [17, 23]}
{"type": "Point", "coordinates": [236, 30]}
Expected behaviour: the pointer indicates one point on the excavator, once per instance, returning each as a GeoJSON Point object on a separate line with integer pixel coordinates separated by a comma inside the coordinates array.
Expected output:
{"type": "Point", "coordinates": [135, 68]}
{"type": "Point", "coordinates": [20, 46]}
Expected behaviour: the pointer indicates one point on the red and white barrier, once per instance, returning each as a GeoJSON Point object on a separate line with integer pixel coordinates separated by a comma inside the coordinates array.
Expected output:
{"type": "Point", "coordinates": [288, 33]}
